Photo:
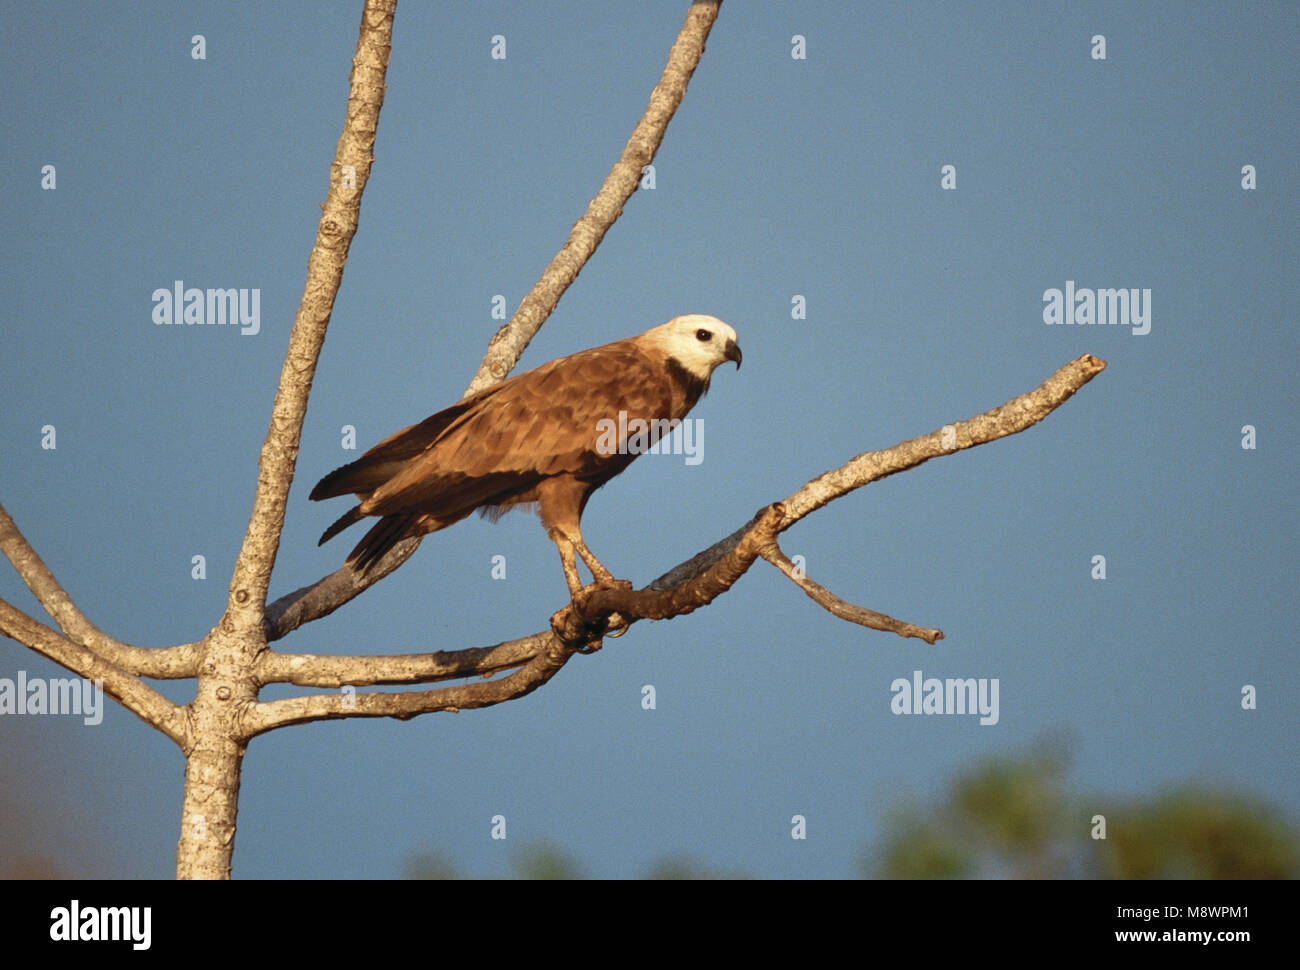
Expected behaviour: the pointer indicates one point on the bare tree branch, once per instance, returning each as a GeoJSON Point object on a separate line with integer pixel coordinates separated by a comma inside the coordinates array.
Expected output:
{"type": "Point", "coordinates": [1016, 415]}
{"type": "Point", "coordinates": [719, 566]}
{"type": "Point", "coordinates": [169, 663]}
{"type": "Point", "coordinates": [330, 592]}
{"type": "Point", "coordinates": [225, 688]}
{"type": "Point", "coordinates": [844, 609]}
{"type": "Point", "coordinates": [338, 224]}
{"type": "Point", "coordinates": [142, 701]}
{"type": "Point", "coordinates": [549, 658]}
{"type": "Point", "coordinates": [508, 344]}
{"type": "Point", "coordinates": [326, 670]}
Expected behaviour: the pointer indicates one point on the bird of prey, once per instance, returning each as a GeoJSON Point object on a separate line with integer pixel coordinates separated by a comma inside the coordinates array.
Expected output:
{"type": "Point", "coordinates": [541, 438]}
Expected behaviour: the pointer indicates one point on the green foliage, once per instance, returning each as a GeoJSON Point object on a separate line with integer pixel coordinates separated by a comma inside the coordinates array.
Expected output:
{"type": "Point", "coordinates": [681, 867]}
{"type": "Point", "coordinates": [429, 865]}
{"type": "Point", "coordinates": [1013, 817]}
{"type": "Point", "coordinates": [1194, 833]}
{"type": "Point", "coordinates": [545, 860]}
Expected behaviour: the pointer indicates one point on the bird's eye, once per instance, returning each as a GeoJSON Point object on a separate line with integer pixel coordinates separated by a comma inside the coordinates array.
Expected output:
{"type": "Point", "coordinates": [703, 336]}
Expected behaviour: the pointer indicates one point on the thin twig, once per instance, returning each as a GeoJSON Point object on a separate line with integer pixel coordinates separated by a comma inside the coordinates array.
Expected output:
{"type": "Point", "coordinates": [843, 608]}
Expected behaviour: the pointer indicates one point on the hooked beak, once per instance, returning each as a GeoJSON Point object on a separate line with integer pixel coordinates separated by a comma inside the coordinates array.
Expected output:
{"type": "Point", "coordinates": [732, 352]}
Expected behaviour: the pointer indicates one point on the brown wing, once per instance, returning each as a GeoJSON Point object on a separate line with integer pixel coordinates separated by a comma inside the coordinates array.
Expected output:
{"type": "Point", "coordinates": [542, 423]}
{"type": "Point", "coordinates": [390, 456]}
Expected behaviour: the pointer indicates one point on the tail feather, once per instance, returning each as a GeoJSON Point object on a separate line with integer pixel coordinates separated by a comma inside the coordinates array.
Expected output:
{"type": "Point", "coordinates": [349, 517]}
{"type": "Point", "coordinates": [385, 534]}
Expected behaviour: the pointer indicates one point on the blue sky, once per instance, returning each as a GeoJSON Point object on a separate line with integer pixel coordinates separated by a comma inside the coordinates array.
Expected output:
{"type": "Point", "coordinates": [818, 177]}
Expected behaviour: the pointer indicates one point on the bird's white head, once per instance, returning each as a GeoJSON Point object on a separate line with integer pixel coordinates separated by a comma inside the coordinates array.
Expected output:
{"type": "Point", "coordinates": [698, 342]}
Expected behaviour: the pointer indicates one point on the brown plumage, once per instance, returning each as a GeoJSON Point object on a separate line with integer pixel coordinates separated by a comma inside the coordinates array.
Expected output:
{"type": "Point", "coordinates": [534, 438]}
